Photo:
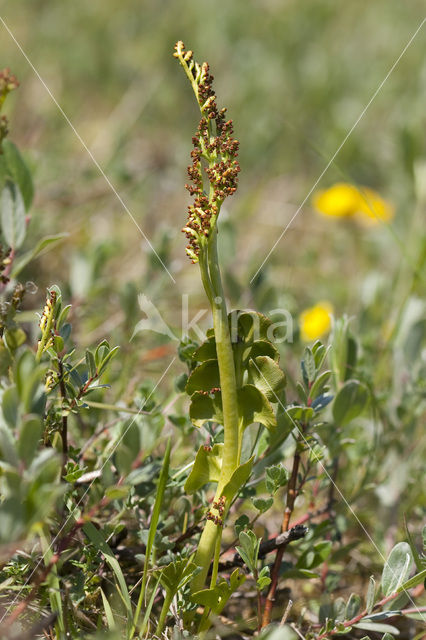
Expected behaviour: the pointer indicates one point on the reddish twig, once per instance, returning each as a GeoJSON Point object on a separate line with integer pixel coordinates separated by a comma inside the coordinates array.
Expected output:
{"type": "Point", "coordinates": [310, 515]}
{"type": "Point", "coordinates": [357, 618]}
{"type": "Point", "coordinates": [291, 497]}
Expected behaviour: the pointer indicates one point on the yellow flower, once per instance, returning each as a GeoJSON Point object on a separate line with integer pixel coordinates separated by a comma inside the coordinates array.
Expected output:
{"type": "Point", "coordinates": [315, 321]}
{"type": "Point", "coordinates": [338, 201]}
{"type": "Point", "coordinates": [373, 209]}
{"type": "Point", "coordinates": [343, 200]}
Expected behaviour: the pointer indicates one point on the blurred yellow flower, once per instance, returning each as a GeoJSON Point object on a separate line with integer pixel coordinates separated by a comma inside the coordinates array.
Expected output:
{"type": "Point", "coordinates": [373, 209]}
{"type": "Point", "coordinates": [340, 200]}
{"type": "Point", "coordinates": [343, 200]}
{"type": "Point", "coordinates": [315, 321]}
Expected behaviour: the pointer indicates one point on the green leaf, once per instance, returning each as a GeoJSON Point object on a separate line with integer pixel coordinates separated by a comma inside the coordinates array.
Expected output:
{"type": "Point", "coordinates": [396, 569]}
{"type": "Point", "coordinates": [204, 377]}
{"type": "Point", "coordinates": [253, 406]}
{"type": "Point", "coordinates": [249, 326]}
{"type": "Point", "coordinates": [102, 350]}
{"type": "Point", "coordinates": [319, 352]}
{"type": "Point", "coordinates": [241, 523]}
{"type": "Point", "coordinates": [14, 338]}
{"type": "Point", "coordinates": [41, 248]}
{"type": "Point", "coordinates": [58, 343]}
{"type": "Point", "coordinates": [249, 549]}
{"type": "Point", "coordinates": [30, 432]}
{"type": "Point", "coordinates": [45, 467]}
{"type": "Point", "coordinates": [117, 492]}
{"type": "Point", "coordinates": [108, 612]}
{"type": "Point", "coordinates": [414, 581]}
{"type": "Point", "coordinates": [266, 375]}
{"type": "Point", "coordinates": [315, 555]}
{"type": "Point", "coordinates": [238, 479]}
{"type": "Point", "coordinates": [105, 361]}
{"type": "Point", "coordinates": [319, 384]}
{"type": "Point", "coordinates": [276, 477]}
{"type": "Point", "coordinates": [3, 171]}
{"type": "Point", "coordinates": [62, 316]}
{"type": "Point", "coordinates": [377, 627]}
{"type": "Point", "coordinates": [19, 171]}
{"type": "Point", "coordinates": [371, 595]}
{"type": "Point", "coordinates": [262, 348]}
{"type": "Point", "coordinates": [322, 401]}
{"type": "Point", "coordinates": [205, 408]}
{"type": "Point", "coordinates": [350, 402]}
{"type": "Point", "coordinates": [308, 366]}
{"type": "Point", "coordinates": [90, 363]}
{"type": "Point", "coordinates": [383, 615]}
{"type": "Point", "coordinates": [12, 216]}
{"type": "Point", "coordinates": [214, 598]}
{"type": "Point", "coordinates": [12, 520]}
{"type": "Point", "coordinates": [262, 504]}
{"type": "Point", "coordinates": [73, 472]}
{"type": "Point", "coordinates": [206, 351]}
{"type": "Point", "coordinates": [262, 582]}
{"type": "Point", "coordinates": [10, 406]}
{"type": "Point", "coordinates": [303, 574]}
{"type": "Point", "coordinates": [340, 349]}
{"type": "Point", "coordinates": [217, 597]}
{"type": "Point", "coordinates": [176, 574]}
{"type": "Point", "coordinates": [300, 414]}
{"type": "Point", "coordinates": [207, 467]}
{"type": "Point", "coordinates": [339, 609]}
{"type": "Point", "coordinates": [351, 356]}
{"type": "Point", "coordinates": [352, 607]}
{"type": "Point", "coordinates": [282, 632]}
{"type": "Point", "coordinates": [8, 452]}
{"type": "Point", "coordinates": [30, 382]}
{"type": "Point", "coordinates": [301, 392]}
{"type": "Point", "coordinates": [416, 556]}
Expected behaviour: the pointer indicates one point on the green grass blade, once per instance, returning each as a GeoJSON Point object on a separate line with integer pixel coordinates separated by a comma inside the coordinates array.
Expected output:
{"type": "Point", "coordinates": [99, 542]}
{"type": "Point", "coordinates": [149, 608]}
{"type": "Point", "coordinates": [108, 612]}
{"type": "Point", "coordinates": [53, 584]}
{"type": "Point", "coordinates": [152, 531]}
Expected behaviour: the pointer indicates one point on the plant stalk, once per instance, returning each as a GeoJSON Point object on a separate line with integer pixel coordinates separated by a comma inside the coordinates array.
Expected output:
{"type": "Point", "coordinates": [211, 278]}
{"type": "Point", "coordinates": [163, 614]}
{"type": "Point", "coordinates": [291, 497]}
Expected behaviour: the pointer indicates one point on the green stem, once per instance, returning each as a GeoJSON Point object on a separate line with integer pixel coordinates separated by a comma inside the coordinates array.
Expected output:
{"type": "Point", "coordinates": [211, 278]}
{"type": "Point", "coordinates": [215, 570]}
{"type": "Point", "coordinates": [205, 618]}
{"type": "Point", "coordinates": [225, 357]}
{"type": "Point", "coordinates": [164, 611]}
{"type": "Point", "coordinates": [205, 276]}
{"type": "Point", "coordinates": [212, 534]}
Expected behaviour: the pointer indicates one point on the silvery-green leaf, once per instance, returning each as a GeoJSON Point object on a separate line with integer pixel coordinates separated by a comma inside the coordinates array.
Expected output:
{"type": "Point", "coordinates": [12, 215]}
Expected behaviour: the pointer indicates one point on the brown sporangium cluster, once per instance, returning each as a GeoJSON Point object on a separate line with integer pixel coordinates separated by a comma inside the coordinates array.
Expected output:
{"type": "Point", "coordinates": [214, 144]}
{"type": "Point", "coordinates": [8, 83]}
{"type": "Point", "coordinates": [219, 506]}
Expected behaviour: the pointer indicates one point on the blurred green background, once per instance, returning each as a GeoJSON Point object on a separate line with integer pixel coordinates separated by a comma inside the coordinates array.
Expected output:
{"type": "Point", "coordinates": [294, 76]}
